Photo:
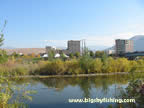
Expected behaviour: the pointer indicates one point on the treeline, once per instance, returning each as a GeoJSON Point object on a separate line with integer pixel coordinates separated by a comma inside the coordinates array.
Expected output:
{"type": "Point", "coordinates": [87, 65]}
{"type": "Point", "coordinates": [11, 65]}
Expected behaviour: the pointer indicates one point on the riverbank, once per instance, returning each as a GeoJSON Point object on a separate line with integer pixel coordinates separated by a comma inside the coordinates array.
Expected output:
{"type": "Point", "coordinates": [80, 75]}
{"type": "Point", "coordinates": [83, 66]}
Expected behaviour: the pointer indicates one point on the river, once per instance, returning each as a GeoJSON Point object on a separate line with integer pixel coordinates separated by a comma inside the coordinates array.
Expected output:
{"type": "Point", "coordinates": [56, 91]}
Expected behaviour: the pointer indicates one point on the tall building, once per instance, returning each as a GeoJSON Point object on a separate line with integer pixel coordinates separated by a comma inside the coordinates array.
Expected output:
{"type": "Point", "coordinates": [74, 46]}
{"type": "Point", "coordinates": [123, 46]}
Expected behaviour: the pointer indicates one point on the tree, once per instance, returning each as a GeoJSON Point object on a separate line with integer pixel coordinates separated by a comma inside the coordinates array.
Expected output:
{"type": "Point", "coordinates": [1, 34]}
{"type": "Point", "coordinates": [77, 54]}
{"type": "Point", "coordinates": [85, 62]}
{"type": "Point", "coordinates": [3, 55]}
{"type": "Point", "coordinates": [15, 54]}
{"type": "Point", "coordinates": [62, 55]}
{"type": "Point", "coordinates": [71, 55]}
{"type": "Point", "coordinates": [104, 57]}
{"type": "Point", "coordinates": [51, 55]}
{"type": "Point", "coordinates": [99, 54]}
{"type": "Point", "coordinates": [91, 53]}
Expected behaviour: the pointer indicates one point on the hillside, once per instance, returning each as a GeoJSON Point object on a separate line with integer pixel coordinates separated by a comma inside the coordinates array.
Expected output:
{"type": "Point", "coordinates": [138, 42]}
{"type": "Point", "coordinates": [25, 50]}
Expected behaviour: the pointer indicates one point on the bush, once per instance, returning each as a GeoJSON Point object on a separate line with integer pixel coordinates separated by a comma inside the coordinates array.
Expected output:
{"type": "Point", "coordinates": [123, 65]}
{"type": "Point", "coordinates": [73, 67]}
{"type": "Point", "coordinates": [53, 68]}
{"type": "Point", "coordinates": [96, 66]}
{"type": "Point", "coordinates": [3, 56]}
{"type": "Point", "coordinates": [20, 70]}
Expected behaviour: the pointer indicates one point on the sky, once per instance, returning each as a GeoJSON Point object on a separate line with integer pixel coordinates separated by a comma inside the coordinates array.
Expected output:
{"type": "Point", "coordinates": [37, 23]}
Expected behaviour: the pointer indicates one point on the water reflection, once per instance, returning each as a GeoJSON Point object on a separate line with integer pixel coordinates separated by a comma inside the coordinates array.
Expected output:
{"type": "Point", "coordinates": [85, 83]}
{"type": "Point", "coordinates": [55, 92]}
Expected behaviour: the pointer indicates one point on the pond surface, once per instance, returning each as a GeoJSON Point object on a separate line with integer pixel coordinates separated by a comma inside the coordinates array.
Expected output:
{"type": "Point", "coordinates": [55, 92]}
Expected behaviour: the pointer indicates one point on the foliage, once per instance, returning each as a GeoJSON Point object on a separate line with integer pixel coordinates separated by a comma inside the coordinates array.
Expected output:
{"type": "Point", "coordinates": [96, 66]}
{"type": "Point", "coordinates": [52, 68]}
{"type": "Point", "coordinates": [63, 57]}
{"type": "Point", "coordinates": [51, 55]}
{"type": "Point", "coordinates": [135, 90]}
{"type": "Point", "coordinates": [77, 54]}
{"type": "Point", "coordinates": [15, 54]}
{"type": "Point", "coordinates": [1, 39]}
{"type": "Point", "coordinates": [3, 56]}
{"type": "Point", "coordinates": [85, 62]}
{"type": "Point", "coordinates": [12, 96]}
{"type": "Point", "coordinates": [82, 65]}
{"type": "Point", "coordinates": [99, 54]}
{"type": "Point", "coordinates": [1, 33]}
{"type": "Point", "coordinates": [71, 55]}
{"type": "Point", "coordinates": [6, 86]}
{"type": "Point", "coordinates": [72, 67]}
{"type": "Point", "coordinates": [92, 54]}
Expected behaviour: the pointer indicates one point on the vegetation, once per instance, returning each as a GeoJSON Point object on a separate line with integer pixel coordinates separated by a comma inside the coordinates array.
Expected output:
{"type": "Point", "coordinates": [134, 90]}
{"type": "Point", "coordinates": [27, 65]}
{"type": "Point", "coordinates": [10, 95]}
{"type": "Point", "coordinates": [87, 65]}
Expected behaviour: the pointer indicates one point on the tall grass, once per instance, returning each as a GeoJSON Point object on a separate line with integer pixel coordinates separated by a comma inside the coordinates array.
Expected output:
{"type": "Point", "coordinates": [12, 68]}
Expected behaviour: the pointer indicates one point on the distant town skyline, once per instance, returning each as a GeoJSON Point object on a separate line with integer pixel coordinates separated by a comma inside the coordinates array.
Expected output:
{"type": "Point", "coordinates": [32, 23]}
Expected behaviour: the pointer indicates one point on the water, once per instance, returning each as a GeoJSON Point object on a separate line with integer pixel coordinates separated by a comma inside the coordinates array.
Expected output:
{"type": "Point", "coordinates": [55, 92]}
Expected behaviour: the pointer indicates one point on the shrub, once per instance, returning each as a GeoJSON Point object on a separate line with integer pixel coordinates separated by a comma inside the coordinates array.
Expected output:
{"type": "Point", "coordinates": [20, 70]}
{"type": "Point", "coordinates": [96, 66]}
{"type": "Point", "coordinates": [123, 65]}
{"type": "Point", "coordinates": [53, 68]}
{"type": "Point", "coordinates": [72, 67]}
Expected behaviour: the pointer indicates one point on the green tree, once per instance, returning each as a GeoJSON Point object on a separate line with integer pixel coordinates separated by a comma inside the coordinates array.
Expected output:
{"type": "Point", "coordinates": [99, 54]}
{"type": "Point", "coordinates": [1, 34]}
{"type": "Point", "coordinates": [96, 66]}
{"type": "Point", "coordinates": [51, 55]}
{"type": "Point", "coordinates": [91, 53]}
{"type": "Point", "coordinates": [15, 54]}
{"type": "Point", "coordinates": [62, 55]}
{"type": "Point", "coordinates": [85, 63]}
{"type": "Point", "coordinates": [104, 57]}
{"type": "Point", "coordinates": [3, 55]}
{"type": "Point", "coordinates": [77, 54]}
{"type": "Point", "coordinates": [71, 55]}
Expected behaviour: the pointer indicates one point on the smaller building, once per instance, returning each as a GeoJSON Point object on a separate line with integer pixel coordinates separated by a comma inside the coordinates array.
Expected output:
{"type": "Point", "coordinates": [123, 46]}
{"type": "Point", "coordinates": [108, 52]}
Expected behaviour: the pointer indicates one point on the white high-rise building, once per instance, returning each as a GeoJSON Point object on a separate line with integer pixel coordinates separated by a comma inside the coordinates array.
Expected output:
{"type": "Point", "coordinates": [123, 46]}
